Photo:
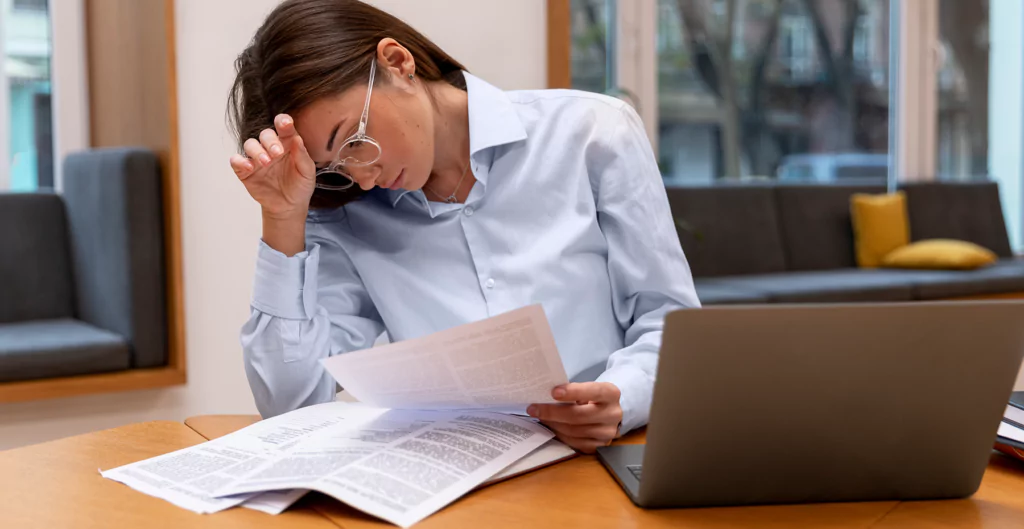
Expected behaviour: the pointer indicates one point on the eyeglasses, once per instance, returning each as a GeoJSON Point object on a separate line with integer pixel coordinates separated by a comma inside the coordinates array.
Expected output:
{"type": "Point", "coordinates": [359, 150]}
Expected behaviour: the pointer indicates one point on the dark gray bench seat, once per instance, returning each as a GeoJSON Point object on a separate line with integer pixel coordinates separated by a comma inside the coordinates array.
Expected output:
{"type": "Point", "coordinates": [858, 285]}
{"type": "Point", "coordinates": [52, 348]}
{"type": "Point", "coordinates": [794, 243]}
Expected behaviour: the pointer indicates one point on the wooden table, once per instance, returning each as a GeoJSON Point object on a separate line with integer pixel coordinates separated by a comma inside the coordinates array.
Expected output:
{"type": "Point", "coordinates": [57, 485]}
{"type": "Point", "coordinates": [580, 493]}
{"type": "Point", "coordinates": [576, 493]}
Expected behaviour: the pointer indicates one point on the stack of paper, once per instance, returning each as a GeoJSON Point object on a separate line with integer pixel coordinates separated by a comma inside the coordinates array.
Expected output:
{"type": "Point", "coordinates": [419, 438]}
{"type": "Point", "coordinates": [1012, 425]}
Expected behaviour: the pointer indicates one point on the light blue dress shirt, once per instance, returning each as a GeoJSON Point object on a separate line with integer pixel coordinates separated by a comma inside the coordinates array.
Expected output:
{"type": "Point", "coordinates": [568, 210]}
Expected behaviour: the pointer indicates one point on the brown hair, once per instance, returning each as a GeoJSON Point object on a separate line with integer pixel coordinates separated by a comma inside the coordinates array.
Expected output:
{"type": "Point", "coordinates": [310, 49]}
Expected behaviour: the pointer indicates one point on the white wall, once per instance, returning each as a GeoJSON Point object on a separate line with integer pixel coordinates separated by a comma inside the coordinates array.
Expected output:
{"type": "Point", "coordinates": [501, 41]}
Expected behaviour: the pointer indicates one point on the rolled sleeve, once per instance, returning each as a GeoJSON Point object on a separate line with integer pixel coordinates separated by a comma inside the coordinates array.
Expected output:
{"type": "Point", "coordinates": [286, 287]}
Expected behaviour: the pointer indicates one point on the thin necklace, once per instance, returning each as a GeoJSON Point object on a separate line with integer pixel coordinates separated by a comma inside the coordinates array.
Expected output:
{"type": "Point", "coordinates": [451, 199]}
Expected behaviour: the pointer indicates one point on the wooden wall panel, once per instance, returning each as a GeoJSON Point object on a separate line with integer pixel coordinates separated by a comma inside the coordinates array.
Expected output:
{"type": "Point", "coordinates": [133, 101]}
{"type": "Point", "coordinates": [559, 44]}
{"type": "Point", "coordinates": [129, 50]}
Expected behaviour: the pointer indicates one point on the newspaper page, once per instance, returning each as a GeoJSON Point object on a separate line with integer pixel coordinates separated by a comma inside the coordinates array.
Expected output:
{"type": "Point", "coordinates": [275, 501]}
{"type": "Point", "coordinates": [504, 362]}
{"type": "Point", "coordinates": [554, 451]}
{"type": "Point", "coordinates": [403, 465]}
{"type": "Point", "coordinates": [187, 477]}
{"type": "Point", "coordinates": [549, 453]}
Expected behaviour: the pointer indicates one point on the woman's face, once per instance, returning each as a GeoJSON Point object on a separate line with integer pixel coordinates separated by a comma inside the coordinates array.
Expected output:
{"type": "Point", "coordinates": [400, 119]}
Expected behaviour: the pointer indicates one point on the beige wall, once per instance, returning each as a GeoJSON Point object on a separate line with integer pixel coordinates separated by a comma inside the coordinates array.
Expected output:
{"type": "Point", "coordinates": [502, 41]}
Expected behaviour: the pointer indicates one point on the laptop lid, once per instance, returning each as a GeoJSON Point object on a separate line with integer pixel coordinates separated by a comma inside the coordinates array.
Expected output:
{"type": "Point", "coordinates": [811, 403]}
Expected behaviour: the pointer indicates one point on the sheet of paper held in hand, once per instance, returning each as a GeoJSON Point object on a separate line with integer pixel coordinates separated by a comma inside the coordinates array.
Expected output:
{"type": "Point", "coordinates": [505, 362]}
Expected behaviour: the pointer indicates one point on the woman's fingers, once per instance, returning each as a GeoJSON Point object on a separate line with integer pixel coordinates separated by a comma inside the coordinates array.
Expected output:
{"type": "Point", "coordinates": [242, 166]}
{"type": "Point", "coordinates": [603, 433]}
{"type": "Point", "coordinates": [255, 151]}
{"type": "Point", "coordinates": [271, 143]}
{"type": "Point", "coordinates": [585, 445]}
{"type": "Point", "coordinates": [602, 392]}
{"type": "Point", "coordinates": [285, 127]}
{"type": "Point", "coordinates": [303, 163]}
{"type": "Point", "coordinates": [282, 139]}
{"type": "Point", "coordinates": [589, 413]}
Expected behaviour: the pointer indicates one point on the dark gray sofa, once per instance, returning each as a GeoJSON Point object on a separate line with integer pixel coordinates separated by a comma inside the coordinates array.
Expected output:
{"type": "Point", "coordinates": [794, 243]}
{"type": "Point", "coordinates": [82, 273]}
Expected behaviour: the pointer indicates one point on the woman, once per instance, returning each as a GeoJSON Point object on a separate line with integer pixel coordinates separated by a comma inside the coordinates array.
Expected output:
{"type": "Point", "coordinates": [401, 193]}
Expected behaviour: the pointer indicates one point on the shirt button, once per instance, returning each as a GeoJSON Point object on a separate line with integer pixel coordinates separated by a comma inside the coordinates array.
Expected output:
{"type": "Point", "coordinates": [489, 283]}
{"type": "Point", "coordinates": [468, 211]}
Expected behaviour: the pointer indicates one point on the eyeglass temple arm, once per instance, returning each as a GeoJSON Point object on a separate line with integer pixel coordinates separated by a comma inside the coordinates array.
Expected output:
{"type": "Point", "coordinates": [366, 106]}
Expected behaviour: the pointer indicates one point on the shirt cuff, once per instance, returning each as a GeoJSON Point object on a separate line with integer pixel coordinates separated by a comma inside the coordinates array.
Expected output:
{"type": "Point", "coordinates": [636, 389]}
{"type": "Point", "coordinates": [285, 287]}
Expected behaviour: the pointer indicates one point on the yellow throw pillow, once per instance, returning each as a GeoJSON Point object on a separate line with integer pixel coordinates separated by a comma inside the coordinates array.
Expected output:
{"type": "Point", "coordinates": [880, 226]}
{"type": "Point", "coordinates": [940, 254]}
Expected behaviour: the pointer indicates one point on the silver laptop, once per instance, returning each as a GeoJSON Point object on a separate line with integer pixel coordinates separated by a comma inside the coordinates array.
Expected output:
{"type": "Point", "coordinates": [824, 403]}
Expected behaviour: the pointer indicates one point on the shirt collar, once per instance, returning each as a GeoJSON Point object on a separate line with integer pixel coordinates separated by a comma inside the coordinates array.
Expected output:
{"type": "Point", "coordinates": [493, 121]}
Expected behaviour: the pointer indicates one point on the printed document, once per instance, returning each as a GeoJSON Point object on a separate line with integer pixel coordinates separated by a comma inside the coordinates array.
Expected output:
{"type": "Point", "coordinates": [401, 466]}
{"type": "Point", "coordinates": [398, 465]}
{"type": "Point", "coordinates": [504, 362]}
{"type": "Point", "coordinates": [187, 477]}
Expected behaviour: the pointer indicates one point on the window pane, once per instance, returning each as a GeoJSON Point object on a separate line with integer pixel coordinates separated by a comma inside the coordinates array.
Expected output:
{"type": "Point", "coordinates": [963, 86]}
{"type": "Point", "coordinates": [39, 5]}
{"type": "Point", "coordinates": [26, 71]}
{"type": "Point", "coordinates": [793, 90]}
{"type": "Point", "coordinates": [592, 53]}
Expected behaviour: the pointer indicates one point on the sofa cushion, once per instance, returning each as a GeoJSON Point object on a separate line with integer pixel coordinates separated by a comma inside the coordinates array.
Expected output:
{"type": "Point", "coordinates": [1005, 276]}
{"type": "Point", "coordinates": [831, 286]}
{"type": "Point", "coordinates": [35, 267]}
{"type": "Point", "coordinates": [940, 254]}
{"type": "Point", "coordinates": [55, 348]}
{"type": "Point", "coordinates": [711, 293]}
{"type": "Point", "coordinates": [879, 226]}
{"type": "Point", "coordinates": [968, 211]}
{"type": "Point", "coordinates": [728, 230]}
{"type": "Point", "coordinates": [817, 230]}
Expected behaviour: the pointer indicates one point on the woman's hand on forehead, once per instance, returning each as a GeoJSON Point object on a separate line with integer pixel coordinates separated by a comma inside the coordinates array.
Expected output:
{"type": "Point", "coordinates": [277, 171]}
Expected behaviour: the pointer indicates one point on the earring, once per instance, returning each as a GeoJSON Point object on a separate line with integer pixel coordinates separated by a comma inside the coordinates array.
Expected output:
{"type": "Point", "coordinates": [411, 76]}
